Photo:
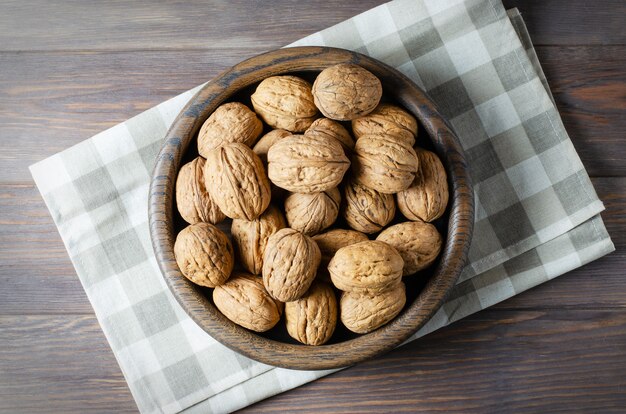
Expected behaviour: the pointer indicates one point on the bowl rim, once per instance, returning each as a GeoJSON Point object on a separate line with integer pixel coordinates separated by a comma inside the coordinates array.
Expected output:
{"type": "Point", "coordinates": [298, 356]}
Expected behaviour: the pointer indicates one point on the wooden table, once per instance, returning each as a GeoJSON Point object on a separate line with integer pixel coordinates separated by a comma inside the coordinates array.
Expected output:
{"type": "Point", "coordinates": [69, 69]}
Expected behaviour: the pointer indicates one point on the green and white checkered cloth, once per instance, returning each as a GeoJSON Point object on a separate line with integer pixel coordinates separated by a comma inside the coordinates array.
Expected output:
{"type": "Point", "coordinates": [536, 216]}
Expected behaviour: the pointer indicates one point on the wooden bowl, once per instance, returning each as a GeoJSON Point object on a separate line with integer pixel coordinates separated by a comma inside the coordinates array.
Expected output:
{"type": "Point", "coordinates": [275, 347]}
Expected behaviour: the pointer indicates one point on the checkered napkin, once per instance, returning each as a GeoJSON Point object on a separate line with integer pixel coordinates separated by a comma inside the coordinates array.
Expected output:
{"type": "Point", "coordinates": [536, 216]}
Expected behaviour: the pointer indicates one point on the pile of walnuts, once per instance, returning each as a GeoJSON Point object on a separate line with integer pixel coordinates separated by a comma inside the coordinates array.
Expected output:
{"type": "Point", "coordinates": [286, 190]}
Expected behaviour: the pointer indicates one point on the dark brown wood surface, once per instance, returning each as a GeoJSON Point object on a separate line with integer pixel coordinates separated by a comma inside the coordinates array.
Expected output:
{"type": "Point", "coordinates": [70, 69]}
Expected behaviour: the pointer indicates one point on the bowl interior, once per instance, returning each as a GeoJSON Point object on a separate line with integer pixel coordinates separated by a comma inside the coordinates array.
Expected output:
{"type": "Point", "coordinates": [425, 291]}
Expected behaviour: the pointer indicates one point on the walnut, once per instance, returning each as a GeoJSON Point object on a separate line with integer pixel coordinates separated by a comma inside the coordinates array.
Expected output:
{"type": "Point", "coordinates": [230, 122]}
{"type": "Point", "coordinates": [285, 102]}
{"type": "Point", "coordinates": [344, 92]}
{"type": "Point", "coordinates": [237, 181]}
{"type": "Point", "coordinates": [304, 164]}
{"type": "Point", "coordinates": [312, 213]}
{"type": "Point", "coordinates": [332, 129]}
{"type": "Point", "coordinates": [383, 163]}
{"type": "Point", "coordinates": [363, 312]}
{"type": "Point", "coordinates": [312, 318]}
{"type": "Point", "coordinates": [244, 300]}
{"type": "Point", "coordinates": [333, 240]}
{"type": "Point", "coordinates": [387, 119]}
{"type": "Point", "coordinates": [262, 147]}
{"type": "Point", "coordinates": [264, 144]}
{"type": "Point", "coordinates": [369, 265]}
{"type": "Point", "coordinates": [204, 254]}
{"type": "Point", "coordinates": [427, 197]}
{"type": "Point", "coordinates": [250, 237]}
{"type": "Point", "coordinates": [417, 242]}
{"type": "Point", "coordinates": [367, 210]}
{"type": "Point", "coordinates": [290, 263]}
{"type": "Point", "coordinates": [192, 199]}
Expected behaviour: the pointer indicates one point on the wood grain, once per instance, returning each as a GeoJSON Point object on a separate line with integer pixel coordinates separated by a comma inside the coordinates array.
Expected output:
{"type": "Point", "coordinates": [144, 24]}
{"type": "Point", "coordinates": [548, 361]}
{"type": "Point", "coordinates": [45, 25]}
{"type": "Point", "coordinates": [589, 87]}
{"type": "Point", "coordinates": [50, 101]}
{"type": "Point", "coordinates": [75, 68]}
{"type": "Point", "coordinates": [59, 364]}
{"type": "Point", "coordinates": [528, 368]}
{"type": "Point", "coordinates": [578, 22]}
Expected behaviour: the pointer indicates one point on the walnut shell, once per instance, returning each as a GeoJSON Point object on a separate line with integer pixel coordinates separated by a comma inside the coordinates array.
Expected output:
{"type": "Point", "coordinates": [285, 102]}
{"type": "Point", "coordinates": [192, 199]}
{"type": "Point", "coordinates": [332, 129]}
{"type": "Point", "coordinates": [305, 164]}
{"type": "Point", "coordinates": [333, 240]}
{"type": "Point", "coordinates": [344, 92]}
{"type": "Point", "coordinates": [365, 312]}
{"type": "Point", "coordinates": [312, 318]}
{"type": "Point", "coordinates": [261, 148]}
{"type": "Point", "coordinates": [230, 122]}
{"type": "Point", "coordinates": [383, 163]}
{"type": "Point", "coordinates": [237, 180]}
{"type": "Point", "coordinates": [244, 300]}
{"type": "Point", "coordinates": [369, 265]}
{"type": "Point", "coordinates": [264, 144]}
{"type": "Point", "coordinates": [389, 120]}
{"type": "Point", "coordinates": [250, 237]}
{"type": "Point", "coordinates": [312, 213]}
{"type": "Point", "coordinates": [427, 197]}
{"type": "Point", "coordinates": [290, 263]}
{"type": "Point", "coordinates": [367, 210]}
{"type": "Point", "coordinates": [417, 242]}
{"type": "Point", "coordinates": [204, 254]}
